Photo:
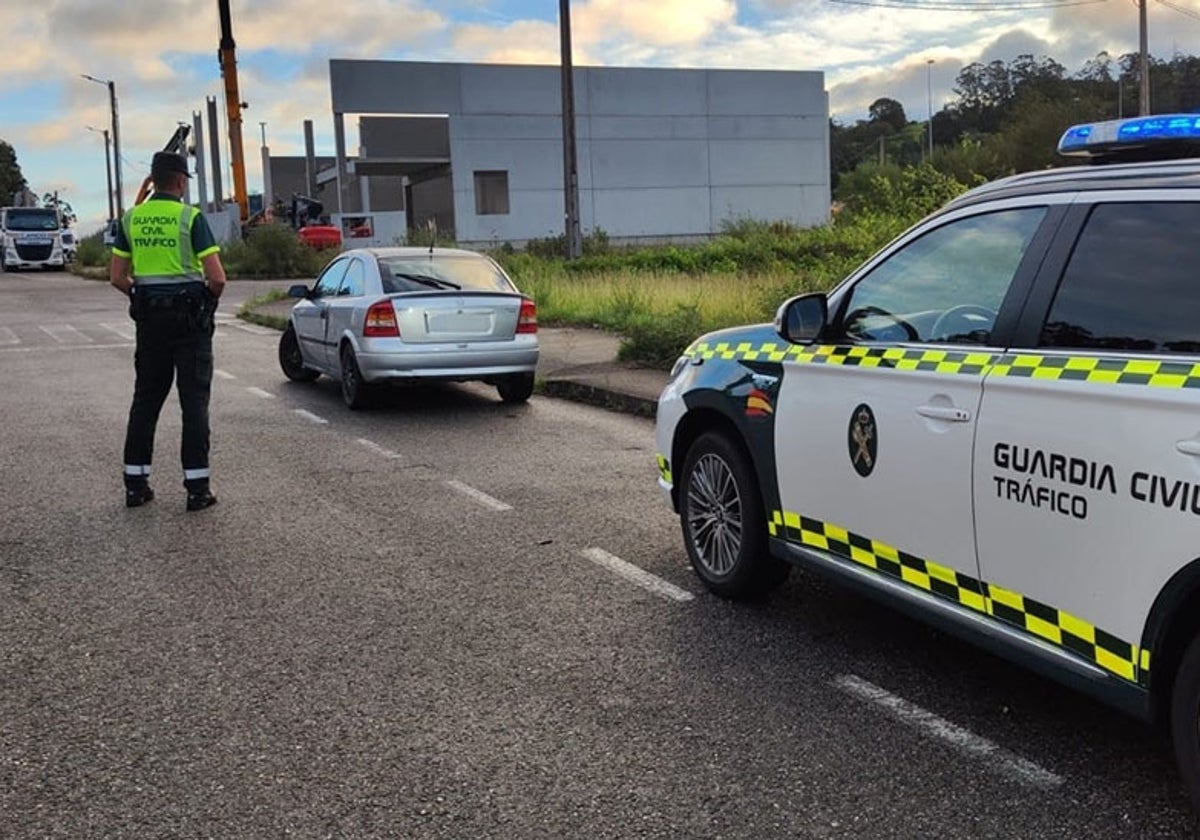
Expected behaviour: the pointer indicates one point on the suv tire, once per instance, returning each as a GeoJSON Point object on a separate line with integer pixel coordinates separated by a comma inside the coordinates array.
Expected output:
{"type": "Point", "coordinates": [724, 527]}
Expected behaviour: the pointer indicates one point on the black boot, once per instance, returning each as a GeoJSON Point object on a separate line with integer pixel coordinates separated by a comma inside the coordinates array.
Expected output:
{"type": "Point", "coordinates": [200, 499]}
{"type": "Point", "coordinates": [138, 496]}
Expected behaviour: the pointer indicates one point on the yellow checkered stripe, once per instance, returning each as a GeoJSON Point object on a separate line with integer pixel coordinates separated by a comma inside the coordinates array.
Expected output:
{"type": "Point", "coordinates": [898, 358]}
{"type": "Point", "coordinates": [1061, 628]}
{"type": "Point", "coordinates": [1146, 372]}
{"type": "Point", "coordinates": [664, 468]}
{"type": "Point", "coordinates": [1111, 371]}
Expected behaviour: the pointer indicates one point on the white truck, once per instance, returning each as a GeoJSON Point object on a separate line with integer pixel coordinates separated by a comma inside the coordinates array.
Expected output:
{"type": "Point", "coordinates": [32, 237]}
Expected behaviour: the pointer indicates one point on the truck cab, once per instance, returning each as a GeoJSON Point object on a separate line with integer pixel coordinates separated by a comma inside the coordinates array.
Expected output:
{"type": "Point", "coordinates": [32, 237]}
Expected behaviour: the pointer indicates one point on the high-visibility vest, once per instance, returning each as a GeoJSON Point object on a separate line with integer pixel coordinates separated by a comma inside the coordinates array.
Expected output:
{"type": "Point", "coordinates": [159, 233]}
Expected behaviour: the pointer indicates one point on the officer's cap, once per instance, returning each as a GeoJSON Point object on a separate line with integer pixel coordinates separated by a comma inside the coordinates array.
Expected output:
{"type": "Point", "coordinates": [169, 162]}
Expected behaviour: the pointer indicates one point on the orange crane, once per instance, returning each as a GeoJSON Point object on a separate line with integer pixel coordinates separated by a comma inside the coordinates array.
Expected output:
{"type": "Point", "coordinates": [233, 110]}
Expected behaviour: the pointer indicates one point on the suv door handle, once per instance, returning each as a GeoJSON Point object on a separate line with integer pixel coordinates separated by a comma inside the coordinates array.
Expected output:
{"type": "Point", "coordinates": [954, 415]}
{"type": "Point", "coordinates": [1188, 447]}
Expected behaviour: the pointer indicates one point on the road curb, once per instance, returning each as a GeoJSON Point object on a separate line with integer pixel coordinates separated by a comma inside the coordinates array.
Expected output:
{"type": "Point", "coordinates": [583, 392]}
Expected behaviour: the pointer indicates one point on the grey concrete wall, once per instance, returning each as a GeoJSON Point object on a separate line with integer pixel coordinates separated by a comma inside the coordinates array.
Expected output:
{"type": "Point", "coordinates": [662, 153]}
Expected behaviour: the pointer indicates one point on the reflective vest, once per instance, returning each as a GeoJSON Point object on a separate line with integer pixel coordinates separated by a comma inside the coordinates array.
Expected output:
{"type": "Point", "coordinates": [160, 242]}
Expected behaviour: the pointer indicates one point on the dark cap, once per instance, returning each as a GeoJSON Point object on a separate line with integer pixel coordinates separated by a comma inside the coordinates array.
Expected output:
{"type": "Point", "coordinates": [169, 162]}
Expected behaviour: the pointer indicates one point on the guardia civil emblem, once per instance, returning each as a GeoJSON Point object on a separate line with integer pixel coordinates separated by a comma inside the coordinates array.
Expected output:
{"type": "Point", "coordinates": [863, 439]}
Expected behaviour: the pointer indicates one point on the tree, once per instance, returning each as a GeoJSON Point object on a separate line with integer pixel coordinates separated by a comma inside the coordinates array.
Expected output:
{"type": "Point", "coordinates": [11, 179]}
{"type": "Point", "coordinates": [889, 112]}
{"type": "Point", "coordinates": [65, 211]}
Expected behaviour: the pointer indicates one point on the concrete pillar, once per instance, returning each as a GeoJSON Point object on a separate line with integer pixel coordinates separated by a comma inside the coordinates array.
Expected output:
{"type": "Point", "coordinates": [310, 160]}
{"type": "Point", "coordinates": [215, 148]}
{"type": "Point", "coordinates": [201, 167]}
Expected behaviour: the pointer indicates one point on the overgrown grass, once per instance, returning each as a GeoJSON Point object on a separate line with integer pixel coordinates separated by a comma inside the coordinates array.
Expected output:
{"type": "Point", "coordinates": [249, 310]}
{"type": "Point", "coordinates": [660, 299]}
{"type": "Point", "coordinates": [273, 251]}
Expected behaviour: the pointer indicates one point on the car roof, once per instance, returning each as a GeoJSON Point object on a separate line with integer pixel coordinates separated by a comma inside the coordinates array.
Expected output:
{"type": "Point", "coordinates": [1172, 174]}
{"type": "Point", "coordinates": [418, 251]}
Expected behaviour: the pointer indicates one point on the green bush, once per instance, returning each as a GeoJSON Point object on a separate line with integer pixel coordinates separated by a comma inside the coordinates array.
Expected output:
{"type": "Point", "coordinates": [657, 341]}
{"type": "Point", "coordinates": [906, 191]}
{"type": "Point", "coordinates": [92, 251]}
{"type": "Point", "coordinates": [273, 251]}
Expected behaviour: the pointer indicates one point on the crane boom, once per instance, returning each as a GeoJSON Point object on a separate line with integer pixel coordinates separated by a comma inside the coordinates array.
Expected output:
{"type": "Point", "coordinates": [233, 109]}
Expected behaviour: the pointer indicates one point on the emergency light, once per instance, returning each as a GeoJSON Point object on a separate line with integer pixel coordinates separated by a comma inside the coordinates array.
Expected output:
{"type": "Point", "coordinates": [1159, 137]}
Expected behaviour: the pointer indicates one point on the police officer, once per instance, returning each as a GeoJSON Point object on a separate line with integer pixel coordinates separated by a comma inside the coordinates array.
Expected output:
{"type": "Point", "coordinates": [166, 259]}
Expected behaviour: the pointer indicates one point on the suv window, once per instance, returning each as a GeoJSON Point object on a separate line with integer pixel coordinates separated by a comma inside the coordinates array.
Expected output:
{"type": "Point", "coordinates": [1131, 283]}
{"type": "Point", "coordinates": [327, 283]}
{"type": "Point", "coordinates": [352, 283]}
{"type": "Point", "coordinates": [947, 285]}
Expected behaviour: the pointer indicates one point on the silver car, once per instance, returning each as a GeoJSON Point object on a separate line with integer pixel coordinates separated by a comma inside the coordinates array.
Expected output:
{"type": "Point", "coordinates": [401, 315]}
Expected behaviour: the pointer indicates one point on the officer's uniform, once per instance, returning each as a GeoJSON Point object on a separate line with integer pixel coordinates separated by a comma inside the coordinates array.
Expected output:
{"type": "Point", "coordinates": [165, 241]}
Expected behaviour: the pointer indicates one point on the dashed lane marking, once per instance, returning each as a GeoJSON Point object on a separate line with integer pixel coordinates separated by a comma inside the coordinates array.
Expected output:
{"type": "Point", "coordinates": [379, 450]}
{"type": "Point", "coordinates": [995, 758]}
{"type": "Point", "coordinates": [478, 495]}
{"type": "Point", "coordinates": [308, 415]}
{"type": "Point", "coordinates": [637, 575]}
{"type": "Point", "coordinates": [56, 347]}
{"type": "Point", "coordinates": [125, 332]}
{"type": "Point", "coordinates": [7, 336]}
{"type": "Point", "coordinates": [259, 392]}
{"type": "Point", "coordinates": [223, 374]}
{"type": "Point", "coordinates": [66, 334]}
{"type": "Point", "coordinates": [252, 328]}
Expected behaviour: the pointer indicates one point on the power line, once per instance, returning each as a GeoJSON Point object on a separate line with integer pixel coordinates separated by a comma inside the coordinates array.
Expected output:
{"type": "Point", "coordinates": [969, 5]}
{"type": "Point", "coordinates": [1183, 11]}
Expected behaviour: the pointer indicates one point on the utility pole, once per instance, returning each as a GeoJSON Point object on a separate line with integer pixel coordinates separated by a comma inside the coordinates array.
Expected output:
{"type": "Point", "coordinates": [1144, 61]}
{"type": "Point", "coordinates": [116, 135]}
{"type": "Point", "coordinates": [570, 165]}
{"type": "Point", "coordinates": [929, 91]}
{"type": "Point", "coordinates": [107, 169]}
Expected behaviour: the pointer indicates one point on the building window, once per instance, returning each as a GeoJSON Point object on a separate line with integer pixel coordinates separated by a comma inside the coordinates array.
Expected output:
{"type": "Point", "coordinates": [491, 193]}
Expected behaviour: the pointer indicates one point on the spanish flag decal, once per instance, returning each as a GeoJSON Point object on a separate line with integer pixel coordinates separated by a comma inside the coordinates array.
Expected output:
{"type": "Point", "coordinates": [758, 404]}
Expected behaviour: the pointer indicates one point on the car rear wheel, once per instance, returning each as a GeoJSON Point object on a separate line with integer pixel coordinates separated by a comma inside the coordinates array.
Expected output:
{"type": "Point", "coordinates": [516, 388]}
{"type": "Point", "coordinates": [724, 528]}
{"type": "Point", "coordinates": [356, 393]}
{"type": "Point", "coordinates": [290, 359]}
{"type": "Point", "coordinates": [1185, 720]}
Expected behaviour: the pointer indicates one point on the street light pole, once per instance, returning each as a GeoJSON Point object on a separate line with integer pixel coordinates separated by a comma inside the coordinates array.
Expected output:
{"type": "Point", "coordinates": [1143, 61]}
{"type": "Point", "coordinates": [107, 169]}
{"type": "Point", "coordinates": [929, 92]}
{"type": "Point", "coordinates": [116, 136]}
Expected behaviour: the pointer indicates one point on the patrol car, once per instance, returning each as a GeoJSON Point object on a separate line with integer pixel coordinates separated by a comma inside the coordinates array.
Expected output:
{"type": "Point", "coordinates": [993, 424]}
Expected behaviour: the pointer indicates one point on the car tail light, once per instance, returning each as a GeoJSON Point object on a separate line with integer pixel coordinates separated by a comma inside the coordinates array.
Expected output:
{"type": "Point", "coordinates": [527, 320]}
{"type": "Point", "coordinates": [381, 321]}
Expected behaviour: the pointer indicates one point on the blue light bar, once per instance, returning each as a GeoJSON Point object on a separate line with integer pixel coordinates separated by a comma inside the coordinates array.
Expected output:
{"type": "Point", "coordinates": [1136, 132]}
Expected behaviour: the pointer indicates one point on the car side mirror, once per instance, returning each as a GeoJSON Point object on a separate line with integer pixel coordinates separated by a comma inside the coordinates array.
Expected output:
{"type": "Point", "coordinates": [298, 291]}
{"type": "Point", "coordinates": [801, 320]}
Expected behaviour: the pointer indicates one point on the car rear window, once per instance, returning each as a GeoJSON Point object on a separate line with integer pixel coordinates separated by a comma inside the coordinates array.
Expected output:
{"type": "Point", "coordinates": [475, 274]}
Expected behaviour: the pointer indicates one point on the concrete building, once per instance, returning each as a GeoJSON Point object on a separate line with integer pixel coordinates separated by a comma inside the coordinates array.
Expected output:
{"type": "Point", "coordinates": [662, 153]}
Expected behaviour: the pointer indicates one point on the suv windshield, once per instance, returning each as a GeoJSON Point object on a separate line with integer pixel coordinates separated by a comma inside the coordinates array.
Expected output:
{"type": "Point", "coordinates": [421, 273]}
{"type": "Point", "coordinates": [31, 219]}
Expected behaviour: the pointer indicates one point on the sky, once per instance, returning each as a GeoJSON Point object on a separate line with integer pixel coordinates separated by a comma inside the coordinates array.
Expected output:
{"type": "Point", "coordinates": [162, 57]}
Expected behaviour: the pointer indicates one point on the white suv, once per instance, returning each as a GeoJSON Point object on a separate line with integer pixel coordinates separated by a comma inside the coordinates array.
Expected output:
{"type": "Point", "coordinates": [993, 424]}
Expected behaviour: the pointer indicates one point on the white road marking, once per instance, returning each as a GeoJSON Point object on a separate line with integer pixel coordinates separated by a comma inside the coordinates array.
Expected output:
{"type": "Point", "coordinates": [379, 450]}
{"type": "Point", "coordinates": [253, 328]}
{"type": "Point", "coordinates": [478, 495]}
{"type": "Point", "coordinates": [7, 336]}
{"type": "Point", "coordinates": [308, 415]}
{"type": "Point", "coordinates": [223, 374]}
{"type": "Point", "coordinates": [125, 332]}
{"type": "Point", "coordinates": [964, 741]}
{"type": "Point", "coordinates": [637, 575]}
{"type": "Point", "coordinates": [48, 348]}
{"type": "Point", "coordinates": [259, 392]}
{"type": "Point", "coordinates": [66, 334]}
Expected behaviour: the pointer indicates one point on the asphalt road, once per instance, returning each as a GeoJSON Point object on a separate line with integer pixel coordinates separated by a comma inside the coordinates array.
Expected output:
{"type": "Point", "coordinates": [407, 623]}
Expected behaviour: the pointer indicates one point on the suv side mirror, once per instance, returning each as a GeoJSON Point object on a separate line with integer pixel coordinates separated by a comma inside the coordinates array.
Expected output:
{"type": "Point", "coordinates": [802, 319]}
{"type": "Point", "coordinates": [298, 291]}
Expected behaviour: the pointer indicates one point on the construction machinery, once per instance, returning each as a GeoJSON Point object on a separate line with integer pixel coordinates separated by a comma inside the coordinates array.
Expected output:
{"type": "Point", "coordinates": [178, 145]}
{"type": "Point", "coordinates": [233, 110]}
